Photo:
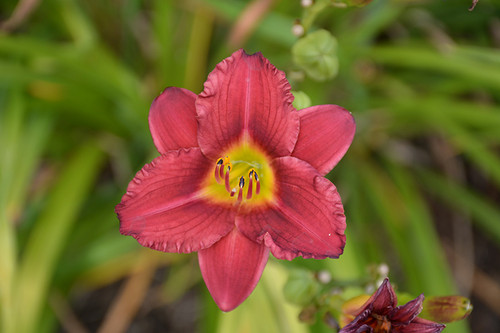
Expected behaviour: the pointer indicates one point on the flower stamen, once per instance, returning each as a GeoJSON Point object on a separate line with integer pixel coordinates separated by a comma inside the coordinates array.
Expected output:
{"type": "Point", "coordinates": [240, 192]}
{"type": "Point", "coordinates": [226, 178]}
{"type": "Point", "coordinates": [250, 184]}
{"type": "Point", "coordinates": [383, 324]}
{"type": "Point", "coordinates": [219, 170]}
{"type": "Point", "coordinates": [233, 172]}
{"type": "Point", "coordinates": [257, 184]}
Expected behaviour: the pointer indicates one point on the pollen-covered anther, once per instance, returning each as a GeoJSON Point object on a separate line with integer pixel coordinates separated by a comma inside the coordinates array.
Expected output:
{"type": "Point", "coordinates": [240, 191]}
{"type": "Point", "coordinates": [253, 177]}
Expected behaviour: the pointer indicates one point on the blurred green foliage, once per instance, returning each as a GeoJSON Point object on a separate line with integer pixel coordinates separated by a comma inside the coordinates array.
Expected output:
{"type": "Point", "coordinates": [316, 54]}
{"type": "Point", "coordinates": [77, 78]}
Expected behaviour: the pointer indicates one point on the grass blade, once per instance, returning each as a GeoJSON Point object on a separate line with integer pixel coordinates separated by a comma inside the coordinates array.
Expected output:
{"type": "Point", "coordinates": [50, 232]}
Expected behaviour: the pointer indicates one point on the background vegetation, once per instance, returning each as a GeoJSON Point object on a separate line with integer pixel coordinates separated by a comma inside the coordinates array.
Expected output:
{"type": "Point", "coordinates": [420, 183]}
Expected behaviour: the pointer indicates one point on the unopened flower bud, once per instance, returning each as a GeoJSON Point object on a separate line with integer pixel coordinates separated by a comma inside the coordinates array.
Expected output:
{"type": "Point", "coordinates": [323, 276]}
{"type": "Point", "coordinates": [383, 269]}
{"type": "Point", "coordinates": [306, 3]}
{"type": "Point", "coordinates": [316, 54]}
{"type": "Point", "coordinates": [446, 309]}
{"type": "Point", "coordinates": [297, 30]}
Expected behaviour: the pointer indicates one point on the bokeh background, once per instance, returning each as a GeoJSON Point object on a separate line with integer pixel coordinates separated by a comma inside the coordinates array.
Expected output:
{"type": "Point", "coordinates": [420, 184]}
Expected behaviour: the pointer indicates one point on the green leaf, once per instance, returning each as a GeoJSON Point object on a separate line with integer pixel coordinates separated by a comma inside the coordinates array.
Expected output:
{"type": "Point", "coordinates": [301, 287]}
{"type": "Point", "coordinates": [484, 212]}
{"type": "Point", "coordinates": [50, 232]}
{"type": "Point", "coordinates": [265, 310]}
{"type": "Point", "coordinates": [454, 62]}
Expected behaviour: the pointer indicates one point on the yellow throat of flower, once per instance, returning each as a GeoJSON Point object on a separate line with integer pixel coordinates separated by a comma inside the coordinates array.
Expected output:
{"type": "Point", "coordinates": [243, 175]}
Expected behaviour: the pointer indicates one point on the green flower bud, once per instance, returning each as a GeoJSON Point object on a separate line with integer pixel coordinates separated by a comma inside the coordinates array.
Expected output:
{"type": "Point", "coordinates": [301, 287]}
{"type": "Point", "coordinates": [446, 309]}
{"type": "Point", "coordinates": [316, 54]}
{"type": "Point", "coordinates": [301, 100]}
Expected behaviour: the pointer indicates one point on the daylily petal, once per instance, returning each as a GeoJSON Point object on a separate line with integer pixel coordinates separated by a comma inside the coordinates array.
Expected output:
{"type": "Point", "coordinates": [172, 120]}
{"type": "Point", "coordinates": [384, 300]}
{"type": "Point", "coordinates": [326, 132]}
{"type": "Point", "coordinates": [419, 325]}
{"type": "Point", "coordinates": [231, 268]}
{"type": "Point", "coordinates": [406, 313]}
{"type": "Point", "coordinates": [307, 219]}
{"type": "Point", "coordinates": [359, 323]}
{"type": "Point", "coordinates": [163, 210]}
{"type": "Point", "coordinates": [246, 96]}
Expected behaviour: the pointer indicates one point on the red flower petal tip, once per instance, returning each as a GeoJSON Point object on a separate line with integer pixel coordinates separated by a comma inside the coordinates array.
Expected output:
{"type": "Point", "coordinates": [231, 280]}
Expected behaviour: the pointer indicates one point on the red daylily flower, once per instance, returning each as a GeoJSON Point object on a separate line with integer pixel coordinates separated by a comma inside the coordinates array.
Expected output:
{"type": "Point", "coordinates": [240, 175]}
{"type": "Point", "coordinates": [380, 314]}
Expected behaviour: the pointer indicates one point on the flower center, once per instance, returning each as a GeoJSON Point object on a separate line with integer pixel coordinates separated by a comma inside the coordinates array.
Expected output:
{"type": "Point", "coordinates": [383, 324]}
{"type": "Point", "coordinates": [242, 175]}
